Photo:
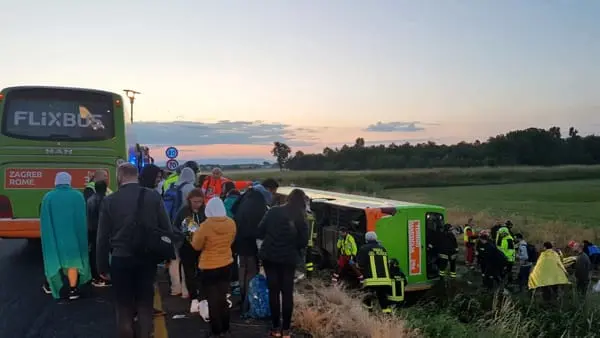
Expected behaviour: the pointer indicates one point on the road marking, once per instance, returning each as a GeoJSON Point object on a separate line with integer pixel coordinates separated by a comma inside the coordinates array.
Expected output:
{"type": "Point", "coordinates": [160, 324]}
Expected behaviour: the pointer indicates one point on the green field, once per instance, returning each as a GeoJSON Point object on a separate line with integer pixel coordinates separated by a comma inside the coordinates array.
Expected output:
{"type": "Point", "coordinates": [568, 201]}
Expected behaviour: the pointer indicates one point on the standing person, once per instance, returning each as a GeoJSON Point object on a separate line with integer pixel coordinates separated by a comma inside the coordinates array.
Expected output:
{"type": "Point", "coordinates": [593, 253]}
{"type": "Point", "coordinates": [548, 273]}
{"type": "Point", "coordinates": [64, 233]}
{"type": "Point", "coordinates": [213, 185]}
{"type": "Point", "coordinates": [93, 216]}
{"type": "Point", "coordinates": [373, 262]}
{"type": "Point", "coordinates": [347, 251]}
{"type": "Point", "coordinates": [493, 262]}
{"type": "Point", "coordinates": [176, 196]}
{"type": "Point", "coordinates": [188, 220]}
{"type": "Point", "coordinates": [285, 234]}
{"type": "Point", "coordinates": [249, 210]}
{"type": "Point", "coordinates": [469, 238]}
{"type": "Point", "coordinates": [214, 239]}
{"type": "Point", "coordinates": [90, 188]}
{"type": "Point", "coordinates": [448, 251]}
{"type": "Point", "coordinates": [583, 269]}
{"type": "Point", "coordinates": [230, 196]}
{"type": "Point", "coordinates": [525, 261]}
{"type": "Point", "coordinates": [132, 275]}
{"type": "Point", "coordinates": [506, 244]}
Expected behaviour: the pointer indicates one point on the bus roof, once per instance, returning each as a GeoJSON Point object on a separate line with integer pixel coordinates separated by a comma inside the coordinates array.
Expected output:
{"type": "Point", "coordinates": [354, 201]}
{"type": "Point", "coordinates": [58, 87]}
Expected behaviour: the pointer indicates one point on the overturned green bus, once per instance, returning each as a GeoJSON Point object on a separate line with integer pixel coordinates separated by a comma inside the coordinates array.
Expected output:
{"type": "Point", "coordinates": [405, 229]}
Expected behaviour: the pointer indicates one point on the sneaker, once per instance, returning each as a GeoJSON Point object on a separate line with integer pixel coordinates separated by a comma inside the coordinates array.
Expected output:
{"type": "Point", "coordinates": [46, 289]}
{"type": "Point", "coordinates": [195, 306]}
{"type": "Point", "coordinates": [74, 293]}
{"type": "Point", "coordinates": [100, 283]}
{"type": "Point", "coordinates": [299, 277]}
{"type": "Point", "coordinates": [236, 291]}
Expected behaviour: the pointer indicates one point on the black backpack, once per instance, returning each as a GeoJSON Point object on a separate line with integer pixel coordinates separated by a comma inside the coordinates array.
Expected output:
{"type": "Point", "coordinates": [532, 253]}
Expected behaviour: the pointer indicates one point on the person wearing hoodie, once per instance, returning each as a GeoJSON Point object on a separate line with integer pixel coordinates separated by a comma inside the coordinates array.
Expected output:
{"type": "Point", "coordinates": [186, 183]}
{"type": "Point", "coordinates": [249, 210]}
{"type": "Point", "coordinates": [93, 216]}
{"type": "Point", "coordinates": [230, 196]}
{"type": "Point", "coordinates": [214, 239]}
{"type": "Point", "coordinates": [524, 262]}
{"type": "Point", "coordinates": [150, 176]}
{"type": "Point", "coordinates": [188, 219]}
{"type": "Point", "coordinates": [284, 232]}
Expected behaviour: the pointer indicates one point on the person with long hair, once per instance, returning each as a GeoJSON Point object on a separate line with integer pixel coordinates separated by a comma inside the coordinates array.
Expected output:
{"type": "Point", "coordinates": [284, 232]}
{"type": "Point", "coordinates": [93, 216]}
{"type": "Point", "coordinates": [188, 220]}
{"type": "Point", "coordinates": [214, 239]}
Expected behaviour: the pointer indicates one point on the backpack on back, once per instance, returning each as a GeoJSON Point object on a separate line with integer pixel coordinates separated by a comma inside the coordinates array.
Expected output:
{"type": "Point", "coordinates": [258, 298]}
{"type": "Point", "coordinates": [173, 199]}
{"type": "Point", "coordinates": [532, 253]}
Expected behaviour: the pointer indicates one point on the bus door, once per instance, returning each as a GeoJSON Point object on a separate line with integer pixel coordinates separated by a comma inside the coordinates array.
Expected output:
{"type": "Point", "coordinates": [434, 228]}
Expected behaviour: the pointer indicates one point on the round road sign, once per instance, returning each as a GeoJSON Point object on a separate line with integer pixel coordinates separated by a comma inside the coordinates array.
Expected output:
{"type": "Point", "coordinates": [172, 164]}
{"type": "Point", "coordinates": [171, 152]}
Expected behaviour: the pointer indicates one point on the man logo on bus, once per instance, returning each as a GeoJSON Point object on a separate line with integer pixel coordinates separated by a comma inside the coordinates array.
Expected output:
{"type": "Point", "coordinates": [51, 119]}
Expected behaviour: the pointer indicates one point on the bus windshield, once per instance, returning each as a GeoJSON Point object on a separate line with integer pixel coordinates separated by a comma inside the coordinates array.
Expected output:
{"type": "Point", "coordinates": [58, 115]}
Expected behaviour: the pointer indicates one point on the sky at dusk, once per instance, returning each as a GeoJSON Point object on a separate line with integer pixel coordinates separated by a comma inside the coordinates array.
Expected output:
{"type": "Point", "coordinates": [224, 79]}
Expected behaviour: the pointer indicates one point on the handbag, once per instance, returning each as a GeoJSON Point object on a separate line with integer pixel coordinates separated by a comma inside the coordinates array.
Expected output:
{"type": "Point", "coordinates": [150, 242]}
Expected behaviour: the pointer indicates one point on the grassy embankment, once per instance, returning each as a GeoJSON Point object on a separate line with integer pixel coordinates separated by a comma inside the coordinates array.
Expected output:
{"type": "Point", "coordinates": [556, 211]}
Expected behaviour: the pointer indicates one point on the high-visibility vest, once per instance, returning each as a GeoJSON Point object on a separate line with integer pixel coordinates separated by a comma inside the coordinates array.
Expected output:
{"type": "Point", "coordinates": [397, 289]}
{"type": "Point", "coordinates": [311, 231]}
{"type": "Point", "coordinates": [92, 185]}
{"type": "Point", "coordinates": [509, 253]}
{"type": "Point", "coordinates": [170, 180]}
{"type": "Point", "coordinates": [466, 237]}
{"type": "Point", "coordinates": [347, 246]}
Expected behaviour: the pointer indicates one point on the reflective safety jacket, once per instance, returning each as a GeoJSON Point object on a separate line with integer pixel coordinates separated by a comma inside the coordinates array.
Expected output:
{"type": "Point", "coordinates": [507, 246]}
{"type": "Point", "coordinates": [312, 236]}
{"type": "Point", "coordinates": [92, 185]}
{"type": "Point", "coordinates": [398, 283]}
{"type": "Point", "coordinates": [170, 180]}
{"type": "Point", "coordinates": [347, 246]}
{"type": "Point", "coordinates": [469, 235]}
{"type": "Point", "coordinates": [373, 263]}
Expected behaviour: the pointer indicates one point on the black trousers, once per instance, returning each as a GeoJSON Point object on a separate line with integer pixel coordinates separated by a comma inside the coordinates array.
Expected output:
{"type": "Point", "coordinates": [381, 293]}
{"type": "Point", "coordinates": [216, 285]}
{"type": "Point", "coordinates": [508, 272]}
{"type": "Point", "coordinates": [443, 261]}
{"type": "Point", "coordinates": [234, 269]}
{"type": "Point", "coordinates": [582, 286]}
{"type": "Point", "coordinates": [189, 264]}
{"type": "Point", "coordinates": [280, 280]}
{"type": "Point", "coordinates": [133, 285]}
{"type": "Point", "coordinates": [524, 272]}
{"type": "Point", "coordinates": [92, 248]}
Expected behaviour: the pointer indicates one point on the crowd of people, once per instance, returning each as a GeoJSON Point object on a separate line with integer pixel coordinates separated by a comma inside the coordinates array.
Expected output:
{"type": "Point", "coordinates": [220, 238]}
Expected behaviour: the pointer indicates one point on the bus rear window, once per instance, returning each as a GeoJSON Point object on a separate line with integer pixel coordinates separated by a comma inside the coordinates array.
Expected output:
{"type": "Point", "coordinates": [58, 115]}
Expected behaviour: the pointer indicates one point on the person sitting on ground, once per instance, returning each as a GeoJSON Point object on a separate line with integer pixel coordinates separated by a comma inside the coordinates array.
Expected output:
{"type": "Point", "coordinates": [214, 240]}
{"type": "Point", "coordinates": [285, 234]}
{"type": "Point", "coordinates": [64, 235]}
{"type": "Point", "coordinates": [372, 261]}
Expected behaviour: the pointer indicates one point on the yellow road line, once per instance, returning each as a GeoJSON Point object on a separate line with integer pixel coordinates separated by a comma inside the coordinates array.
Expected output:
{"type": "Point", "coordinates": [160, 324]}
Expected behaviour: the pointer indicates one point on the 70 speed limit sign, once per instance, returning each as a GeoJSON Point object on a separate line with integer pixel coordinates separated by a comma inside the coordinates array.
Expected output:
{"type": "Point", "coordinates": [172, 164]}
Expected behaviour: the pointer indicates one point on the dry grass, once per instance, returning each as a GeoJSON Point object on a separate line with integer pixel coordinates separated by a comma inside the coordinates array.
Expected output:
{"type": "Point", "coordinates": [330, 311]}
{"type": "Point", "coordinates": [534, 230]}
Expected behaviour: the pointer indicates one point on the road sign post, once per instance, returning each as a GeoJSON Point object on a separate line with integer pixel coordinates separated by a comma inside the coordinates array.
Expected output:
{"type": "Point", "coordinates": [172, 164]}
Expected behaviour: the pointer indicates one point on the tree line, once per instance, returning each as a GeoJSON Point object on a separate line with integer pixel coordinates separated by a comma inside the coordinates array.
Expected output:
{"type": "Point", "coordinates": [532, 146]}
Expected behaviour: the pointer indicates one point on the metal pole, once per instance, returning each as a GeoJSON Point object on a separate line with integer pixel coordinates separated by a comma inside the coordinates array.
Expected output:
{"type": "Point", "coordinates": [131, 108]}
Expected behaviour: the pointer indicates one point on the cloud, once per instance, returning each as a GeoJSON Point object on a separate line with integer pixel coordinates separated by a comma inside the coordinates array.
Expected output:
{"type": "Point", "coordinates": [388, 127]}
{"type": "Point", "coordinates": [222, 132]}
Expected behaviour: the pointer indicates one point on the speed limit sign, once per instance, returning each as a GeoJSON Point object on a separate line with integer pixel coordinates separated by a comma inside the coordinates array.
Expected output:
{"type": "Point", "coordinates": [172, 164]}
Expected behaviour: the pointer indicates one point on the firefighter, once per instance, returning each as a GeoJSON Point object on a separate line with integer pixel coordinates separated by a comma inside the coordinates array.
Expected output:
{"type": "Point", "coordinates": [372, 261]}
{"type": "Point", "coordinates": [347, 251]}
{"type": "Point", "coordinates": [492, 261]}
{"type": "Point", "coordinates": [480, 250]}
{"type": "Point", "coordinates": [448, 252]}
{"type": "Point", "coordinates": [398, 282]}
{"type": "Point", "coordinates": [469, 237]}
{"type": "Point", "coordinates": [507, 246]}
{"type": "Point", "coordinates": [312, 237]}
{"type": "Point", "coordinates": [507, 226]}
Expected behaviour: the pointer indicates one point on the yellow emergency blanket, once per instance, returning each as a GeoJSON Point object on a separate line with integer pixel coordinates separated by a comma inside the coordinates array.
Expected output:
{"type": "Point", "coordinates": [568, 261]}
{"type": "Point", "coordinates": [549, 270]}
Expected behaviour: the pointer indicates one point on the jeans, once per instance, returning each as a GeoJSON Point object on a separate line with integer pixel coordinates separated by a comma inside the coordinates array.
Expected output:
{"type": "Point", "coordinates": [280, 280]}
{"type": "Point", "coordinates": [235, 276]}
{"type": "Point", "coordinates": [524, 276]}
{"type": "Point", "coordinates": [216, 285]}
{"type": "Point", "coordinates": [189, 263]}
{"type": "Point", "coordinates": [133, 285]}
{"type": "Point", "coordinates": [248, 269]}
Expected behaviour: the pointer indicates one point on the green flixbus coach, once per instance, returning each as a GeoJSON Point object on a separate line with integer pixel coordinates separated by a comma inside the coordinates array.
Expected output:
{"type": "Point", "coordinates": [405, 229]}
{"type": "Point", "coordinates": [45, 130]}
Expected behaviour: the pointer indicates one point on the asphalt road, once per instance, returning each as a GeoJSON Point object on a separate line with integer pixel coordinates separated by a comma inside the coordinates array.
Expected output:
{"type": "Point", "coordinates": [26, 312]}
